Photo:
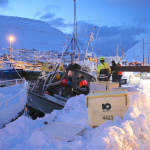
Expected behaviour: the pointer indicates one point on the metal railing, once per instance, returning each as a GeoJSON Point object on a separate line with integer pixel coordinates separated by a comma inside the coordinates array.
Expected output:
{"type": "Point", "coordinates": [12, 82]}
{"type": "Point", "coordinates": [4, 104]}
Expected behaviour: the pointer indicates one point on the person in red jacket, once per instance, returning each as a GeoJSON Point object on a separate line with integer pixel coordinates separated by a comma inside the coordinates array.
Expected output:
{"type": "Point", "coordinates": [83, 86]}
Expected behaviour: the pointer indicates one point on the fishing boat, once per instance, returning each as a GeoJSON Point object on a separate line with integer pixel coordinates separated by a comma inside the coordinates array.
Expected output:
{"type": "Point", "coordinates": [12, 104]}
{"type": "Point", "coordinates": [50, 91]}
{"type": "Point", "coordinates": [10, 69]}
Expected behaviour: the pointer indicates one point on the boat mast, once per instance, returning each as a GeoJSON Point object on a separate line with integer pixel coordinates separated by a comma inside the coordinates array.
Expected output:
{"type": "Point", "coordinates": [74, 37]}
{"type": "Point", "coordinates": [122, 51]}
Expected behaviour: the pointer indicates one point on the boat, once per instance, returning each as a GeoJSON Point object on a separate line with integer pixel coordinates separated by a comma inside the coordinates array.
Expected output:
{"type": "Point", "coordinates": [50, 92]}
{"type": "Point", "coordinates": [10, 69]}
{"type": "Point", "coordinates": [12, 104]}
{"type": "Point", "coordinates": [135, 63]}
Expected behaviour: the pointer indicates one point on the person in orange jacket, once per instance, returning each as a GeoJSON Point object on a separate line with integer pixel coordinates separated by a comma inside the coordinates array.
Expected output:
{"type": "Point", "coordinates": [119, 75]}
{"type": "Point", "coordinates": [83, 86]}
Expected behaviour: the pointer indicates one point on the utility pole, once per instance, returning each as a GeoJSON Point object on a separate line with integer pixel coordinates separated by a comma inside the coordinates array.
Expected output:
{"type": "Point", "coordinates": [143, 51]}
{"type": "Point", "coordinates": [148, 56]}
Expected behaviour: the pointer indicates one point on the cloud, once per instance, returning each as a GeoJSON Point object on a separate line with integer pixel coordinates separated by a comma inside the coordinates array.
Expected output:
{"type": "Point", "coordinates": [107, 37]}
{"type": "Point", "coordinates": [46, 11]}
{"type": "Point", "coordinates": [130, 3]}
{"type": "Point", "coordinates": [47, 16]}
{"type": "Point", "coordinates": [141, 20]}
{"type": "Point", "coordinates": [3, 2]}
{"type": "Point", "coordinates": [38, 13]}
{"type": "Point", "coordinates": [104, 37]}
{"type": "Point", "coordinates": [51, 7]}
{"type": "Point", "coordinates": [59, 22]}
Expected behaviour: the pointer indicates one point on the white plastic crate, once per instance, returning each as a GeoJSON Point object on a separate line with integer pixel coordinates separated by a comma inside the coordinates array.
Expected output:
{"type": "Point", "coordinates": [102, 85]}
{"type": "Point", "coordinates": [105, 105]}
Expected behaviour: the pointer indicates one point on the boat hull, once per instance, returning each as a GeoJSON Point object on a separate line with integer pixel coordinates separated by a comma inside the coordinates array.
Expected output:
{"type": "Point", "coordinates": [39, 102]}
{"type": "Point", "coordinates": [11, 72]}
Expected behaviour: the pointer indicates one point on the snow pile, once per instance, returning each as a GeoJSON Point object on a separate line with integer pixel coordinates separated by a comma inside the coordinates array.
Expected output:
{"type": "Point", "coordinates": [12, 101]}
{"type": "Point", "coordinates": [131, 132]}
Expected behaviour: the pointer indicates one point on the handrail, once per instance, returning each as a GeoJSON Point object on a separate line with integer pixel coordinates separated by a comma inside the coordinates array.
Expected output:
{"type": "Point", "coordinates": [12, 97]}
{"type": "Point", "coordinates": [16, 81]}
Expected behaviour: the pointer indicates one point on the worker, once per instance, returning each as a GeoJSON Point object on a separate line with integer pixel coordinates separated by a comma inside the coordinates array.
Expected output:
{"type": "Point", "coordinates": [83, 86]}
{"type": "Point", "coordinates": [70, 87]}
{"type": "Point", "coordinates": [103, 70]}
{"type": "Point", "coordinates": [119, 75]}
{"type": "Point", "coordinates": [114, 73]}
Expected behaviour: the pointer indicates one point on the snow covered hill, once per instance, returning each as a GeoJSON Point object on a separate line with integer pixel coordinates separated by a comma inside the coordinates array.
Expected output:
{"type": "Point", "coordinates": [29, 34]}
{"type": "Point", "coordinates": [135, 53]}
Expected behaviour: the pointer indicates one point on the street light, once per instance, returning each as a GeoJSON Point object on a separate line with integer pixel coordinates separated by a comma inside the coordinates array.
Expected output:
{"type": "Point", "coordinates": [11, 39]}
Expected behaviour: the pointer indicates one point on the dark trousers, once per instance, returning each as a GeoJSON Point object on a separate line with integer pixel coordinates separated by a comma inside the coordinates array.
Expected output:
{"type": "Point", "coordinates": [114, 78]}
{"type": "Point", "coordinates": [119, 80]}
{"type": "Point", "coordinates": [104, 79]}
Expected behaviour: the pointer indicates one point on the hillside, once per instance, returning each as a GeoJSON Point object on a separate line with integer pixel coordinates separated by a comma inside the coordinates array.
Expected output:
{"type": "Point", "coordinates": [29, 34]}
{"type": "Point", "coordinates": [136, 52]}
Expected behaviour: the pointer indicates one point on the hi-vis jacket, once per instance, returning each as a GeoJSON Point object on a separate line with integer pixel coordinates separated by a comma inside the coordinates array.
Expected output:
{"type": "Point", "coordinates": [103, 70]}
{"type": "Point", "coordinates": [119, 72]}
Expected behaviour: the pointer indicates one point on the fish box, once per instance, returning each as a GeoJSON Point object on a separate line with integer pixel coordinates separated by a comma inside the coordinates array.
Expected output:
{"type": "Point", "coordinates": [102, 85]}
{"type": "Point", "coordinates": [105, 105]}
{"type": "Point", "coordinates": [131, 90]}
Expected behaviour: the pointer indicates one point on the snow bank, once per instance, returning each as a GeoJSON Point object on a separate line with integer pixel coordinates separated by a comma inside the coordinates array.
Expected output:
{"type": "Point", "coordinates": [12, 101]}
{"type": "Point", "coordinates": [130, 133]}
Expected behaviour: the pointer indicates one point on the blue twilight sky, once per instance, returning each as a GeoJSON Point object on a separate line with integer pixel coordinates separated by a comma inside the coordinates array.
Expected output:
{"type": "Point", "coordinates": [120, 21]}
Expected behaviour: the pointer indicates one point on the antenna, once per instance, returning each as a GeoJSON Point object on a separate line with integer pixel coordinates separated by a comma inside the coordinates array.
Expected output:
{"type": "Point", "coordinates": [122, 52]}
{"type": "Point", "coordinates": [91, 37]}
{"type": "Point", "coordinates": [116, 50]}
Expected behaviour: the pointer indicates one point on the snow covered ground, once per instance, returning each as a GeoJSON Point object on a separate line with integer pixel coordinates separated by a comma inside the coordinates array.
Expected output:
{"type": "Point", "coordinates": [130, 133]}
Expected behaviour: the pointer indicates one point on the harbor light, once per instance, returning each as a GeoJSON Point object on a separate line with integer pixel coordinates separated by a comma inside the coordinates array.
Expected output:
{"type": "Point", "coordinates": [10, 39]}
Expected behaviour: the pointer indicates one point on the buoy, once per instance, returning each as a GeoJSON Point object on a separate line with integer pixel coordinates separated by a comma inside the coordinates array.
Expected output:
{"type": "Point", "coordinates": [57, 76]}
{"type": "Point", "coordinates": [46, 92]}
{"type": "Point", "coordinates": [64, 82]}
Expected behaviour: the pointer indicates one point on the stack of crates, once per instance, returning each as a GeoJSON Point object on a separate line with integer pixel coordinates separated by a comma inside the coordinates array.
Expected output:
{"type": "Point", "coordinates": [105, 105]}
{"type": "Point", "coordinates": [102, 85]}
